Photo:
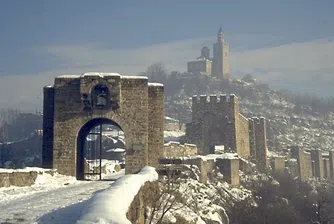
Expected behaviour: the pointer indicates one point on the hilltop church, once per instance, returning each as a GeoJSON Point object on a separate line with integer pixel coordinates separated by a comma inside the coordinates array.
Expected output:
{"type": "Point", "coordinates": [217, 66]}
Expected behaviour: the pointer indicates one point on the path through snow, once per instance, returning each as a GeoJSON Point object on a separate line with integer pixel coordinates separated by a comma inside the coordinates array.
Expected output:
{"type": "Point", "coordinates": [61, 205]}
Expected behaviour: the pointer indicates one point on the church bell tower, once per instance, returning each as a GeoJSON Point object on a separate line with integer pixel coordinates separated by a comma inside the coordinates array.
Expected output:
{"type": "Point", "coordinates": [221, 57]}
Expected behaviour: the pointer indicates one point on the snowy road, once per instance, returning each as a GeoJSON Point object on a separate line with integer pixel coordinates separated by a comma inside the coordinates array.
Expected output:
{"type": "Point", "coordinates": [60, 205]}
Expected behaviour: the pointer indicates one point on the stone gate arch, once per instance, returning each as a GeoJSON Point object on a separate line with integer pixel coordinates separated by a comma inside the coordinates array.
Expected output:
{"type": "Point", "coordinates": [81, 141]}
{"type": "Point", "coordinates": [136, 105]}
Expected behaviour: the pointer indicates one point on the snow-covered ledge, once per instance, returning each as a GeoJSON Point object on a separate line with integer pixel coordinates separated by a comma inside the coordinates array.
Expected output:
{"type": "Point", "coordinates": [112, 204]}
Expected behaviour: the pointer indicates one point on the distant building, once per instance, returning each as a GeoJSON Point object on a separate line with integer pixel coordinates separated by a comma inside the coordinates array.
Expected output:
{"type": "Point", "coordinates": [200, 65]}
{"type": "Point", "coordinates": [221, 57]}
{"type": "Point", "coordinates": [219, 65]}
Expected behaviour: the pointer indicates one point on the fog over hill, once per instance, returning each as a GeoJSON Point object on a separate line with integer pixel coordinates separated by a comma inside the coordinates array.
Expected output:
{"type": "Point", "coordinates": [276, 60]}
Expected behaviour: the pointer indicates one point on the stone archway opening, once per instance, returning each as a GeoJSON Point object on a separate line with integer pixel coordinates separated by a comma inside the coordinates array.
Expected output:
{"type": "Point", "coordinates": [75, 104]}
{"type": "Point", "coordinates": [101, 150]}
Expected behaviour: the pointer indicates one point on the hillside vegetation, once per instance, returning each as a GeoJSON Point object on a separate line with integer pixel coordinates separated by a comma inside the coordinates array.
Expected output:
{"type": "Point", "coordinates": [292, 118]}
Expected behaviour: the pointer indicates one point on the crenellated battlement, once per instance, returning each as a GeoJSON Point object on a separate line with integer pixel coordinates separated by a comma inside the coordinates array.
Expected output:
{"type": "Point", "coordinates": [204, 100]}
{"type": "Point", "coordinates": [214, 105]}
{"type": "Point", "coordinates": [258, 120]}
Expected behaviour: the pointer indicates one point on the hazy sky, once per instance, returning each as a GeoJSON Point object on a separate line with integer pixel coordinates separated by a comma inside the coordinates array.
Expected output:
{"type": "Point", "coordinates": [288, 43]}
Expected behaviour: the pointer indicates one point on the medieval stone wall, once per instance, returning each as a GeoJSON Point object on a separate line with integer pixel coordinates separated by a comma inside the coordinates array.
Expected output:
{"type": "Point", "coordinates": [313, 163]}
{"type": "Point", "coordinates": [17, 178]}
{"type": "Point", "coordinates": [48, 114]}
{"type": "Point", "coordinates": [216, 121]}
{"type": "Point", "coordinates": [242, 136]}
{"type": "Point", "coordinates": [331, 164]}
{"type": "Point", "coordinates": [133, 95]}
{"type": "Point", "coordinates": [316, 156]}
{"type": "Point", "coordinates": [252, 142]}
{"type": "Point", "coordinates": [145, 198]}
{"type": "Point", "coordinates": [175, 149]}
{"type": "Point", "coordinates": [278, 164]}
{"type": "Point", "coordinates": [305, 165]}
{"type": "Point", "coordinates": [260, 140]}
{"type": "Point", "coordinates": [156, 119]}
{"type": "Point", "coordinates": [326, 168]}
{"type": "Point", "coordinates": [230, 170]}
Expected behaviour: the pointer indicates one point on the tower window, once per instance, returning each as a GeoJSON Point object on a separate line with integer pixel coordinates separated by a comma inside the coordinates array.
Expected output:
{"type": "Point", "coordinates": [225, 53]}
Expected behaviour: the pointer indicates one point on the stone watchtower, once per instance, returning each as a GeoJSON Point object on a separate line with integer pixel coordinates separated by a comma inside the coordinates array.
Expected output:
{"type": "Point", "coordinates": [76, 103]}
{"type": "Point", "coordinates": [217, 121]}
{"type": "Point", "coordinates": [221, 57]}
{"type": "Point", "coordinates": [258, 142]}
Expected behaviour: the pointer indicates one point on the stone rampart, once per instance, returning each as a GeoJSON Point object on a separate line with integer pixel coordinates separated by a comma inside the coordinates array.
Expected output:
{"type": "Point", "coordinates": [316, 156]}
{"type": "Point", "coordinates": [145, 198]}
{"type": "Point", "coordinates": [313, 163]}
{"type": "Point", "coordinates": [326, 168]}
{"type": "Point", "coordinates": [17, 178]}
{"type": "Point", "coordinates": [175, 149]}
{"type": "Point", "coordinates": [258, 132]}
{"type": "Point", "coordinates": [230, 170]}
{"type": "Point", "coordinates": [331, 164]}
{"type": "Point", "coordinates": [216, 121]}
{"type": "Point", "coordinates": [242, 136]}
{"type": "Point", "coordinates": [278, 164]}
{"type": "Point", "coordinates": [246, 166]}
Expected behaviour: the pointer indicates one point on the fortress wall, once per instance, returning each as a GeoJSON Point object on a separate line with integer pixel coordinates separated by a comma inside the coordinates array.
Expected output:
{"type": "Point", "coordinates": [246, 167]}
{"type": "Point", "coordinates": [17, 178]}
{"type": "Point", "coordinates": [304, 164]}
{"type": "Point", "coordinates": [331, 164]}
{"type": "Point", "coordinates": [175, 149]}
{"type": "Point", "coordinates": [230, 170]}
{"type": "Point", "coordinates": [292, 166]}
{"type": "Point", "coordinates": [156, 119]}
{"type": "Point", "coordinates": [213, 122]}
{"type": "Point", "coordinates": [202, 166]}
{"type": "Point", "coordinates": [252, 142]}
{"type": "Point", "coordinates": [223, 105]}
{"type": "Point", "coordinates": [326, 168]}
{"type": "Point", "coordinates": [261, 143]}
{"type": "Point", "coordinates": [278, 164]}
{"type": "Point", "coordinates": [316, 156]}
{"type": "Point", "coordinates": [48, 114]}
{"type": "Point", "coordinates": [242, 136]}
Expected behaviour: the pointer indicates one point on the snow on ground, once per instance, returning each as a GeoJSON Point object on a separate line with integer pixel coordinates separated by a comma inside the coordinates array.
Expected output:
{"type": "Point", "coordinates": [52, 199]}
{"type": "Point", "coordinates": [26, 169]}
{"type": "Point", "coordinates": [214, 156]}
{"type": "Point", "coordinates": [110, 171]}
{"type": "Point", "coordinates": [101, 208]}
{"type": "Point", "coordinates": [44, 182]}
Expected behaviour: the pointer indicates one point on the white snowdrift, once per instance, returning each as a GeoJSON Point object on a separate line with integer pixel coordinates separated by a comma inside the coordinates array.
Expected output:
{"type": "Point", "coordinates": [111, 205]}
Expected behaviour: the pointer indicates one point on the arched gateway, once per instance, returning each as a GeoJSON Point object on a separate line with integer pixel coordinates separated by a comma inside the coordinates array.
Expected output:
{"type": "Point", "coordinates": [75, 104]}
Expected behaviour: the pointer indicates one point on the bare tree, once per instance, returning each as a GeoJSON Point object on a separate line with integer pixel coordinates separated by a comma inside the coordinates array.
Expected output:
{"type": "Point", "coordinates": [156, 72]}
{"type": "Point", "coordinates": [7, 116]}
{"type": "Point", "coordinates": [168, 198]}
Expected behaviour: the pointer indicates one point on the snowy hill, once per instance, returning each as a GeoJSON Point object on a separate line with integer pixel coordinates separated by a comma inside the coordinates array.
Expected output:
{"type": "Point", "coordinates": [291, 119]}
